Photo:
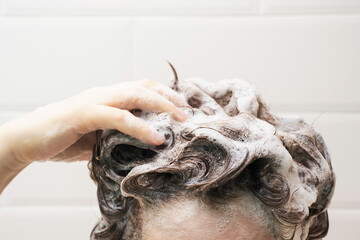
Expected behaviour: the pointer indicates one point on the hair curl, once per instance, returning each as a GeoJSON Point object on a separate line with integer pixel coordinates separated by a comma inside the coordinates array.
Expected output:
{"type": "Point", "coordinates": [230, 141]}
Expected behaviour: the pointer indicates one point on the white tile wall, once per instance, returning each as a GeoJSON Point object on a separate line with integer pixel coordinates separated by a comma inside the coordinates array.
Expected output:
{"type": "Point", "coordinates": [309, 6]}
{"type": "Point", "coordinates": [177, 7]}
{"type": "Point", "coordinates": [304, 57]}
{"type": "Point", "coordinates": [44, 60]}
{"type": "Point", "coordinates": [55, 223]}
{"type": "Point", "coordinates": [343, 224]}
{"type": "Point", "coordinates": [128, 7]}
{"type": "Point", "coordinates": [301, 62]}
{"type": "Point", "coordinates": [40, 185]}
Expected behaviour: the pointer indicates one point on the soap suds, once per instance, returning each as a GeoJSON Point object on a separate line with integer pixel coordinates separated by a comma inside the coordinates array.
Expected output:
{"type": "Point", "coordinates": [231, 154]}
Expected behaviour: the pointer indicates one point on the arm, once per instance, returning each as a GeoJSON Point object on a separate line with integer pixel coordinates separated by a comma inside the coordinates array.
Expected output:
{"type": "Point", "coordinates": [9, 166]}
{"type": "Point", "coordinates": [65, 131]}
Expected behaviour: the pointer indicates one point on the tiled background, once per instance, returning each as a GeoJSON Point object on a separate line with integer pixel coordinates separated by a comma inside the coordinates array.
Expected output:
{"type": "Point", "coordinates": [303, 55]}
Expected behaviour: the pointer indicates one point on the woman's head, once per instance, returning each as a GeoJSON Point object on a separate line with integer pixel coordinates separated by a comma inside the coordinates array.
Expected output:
{"type": "Point", "coordinates": [232, 170]}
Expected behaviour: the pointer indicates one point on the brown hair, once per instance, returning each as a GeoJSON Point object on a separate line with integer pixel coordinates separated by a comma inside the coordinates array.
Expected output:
{"type": "Point", "coordinates": [231, 141]}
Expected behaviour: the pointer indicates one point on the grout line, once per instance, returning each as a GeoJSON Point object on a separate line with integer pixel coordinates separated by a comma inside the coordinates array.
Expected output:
{"type": "Point", "coordinates": [131, 46]}
{"type": "Point", "coordinates": [35, 208]}
{"type": "Point", "coordinates": [313, 110]}
{"type": "Point", "coordinates": [346, 210]}
{"type": "Point", "coordinates": [259, 13]}
{"type": "Point", "coordinates": [274, 107]}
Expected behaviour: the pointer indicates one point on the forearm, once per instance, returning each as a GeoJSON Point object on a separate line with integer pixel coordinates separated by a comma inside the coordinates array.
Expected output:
{"type": "Point", "coordinates": [9, 165]}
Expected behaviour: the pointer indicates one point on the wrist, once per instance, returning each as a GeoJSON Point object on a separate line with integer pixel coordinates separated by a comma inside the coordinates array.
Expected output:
{"type": "Point", "coordinates": [8, 158]}
{"type": "Point", "coordinates": [10, 166]}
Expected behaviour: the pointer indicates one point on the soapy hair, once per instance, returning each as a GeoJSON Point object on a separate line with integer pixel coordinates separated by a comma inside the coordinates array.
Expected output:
{"type": "Point", "coordinates": [231, 141]}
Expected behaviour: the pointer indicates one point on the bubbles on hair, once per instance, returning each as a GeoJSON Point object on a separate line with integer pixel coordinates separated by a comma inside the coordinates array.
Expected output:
{"type": "Point", "coordinates": [236, 130]}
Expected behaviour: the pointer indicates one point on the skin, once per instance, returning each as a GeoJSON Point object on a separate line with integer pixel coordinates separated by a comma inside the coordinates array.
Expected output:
{"type": "Point", "coordinates": [189, 219]}
{"type": "Point", "coordinates": [66, 130]}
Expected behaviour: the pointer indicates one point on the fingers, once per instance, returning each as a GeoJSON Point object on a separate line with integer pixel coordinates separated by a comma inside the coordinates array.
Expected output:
{"type": "Point", "coordinates": [165, 91]}
{"type": "Point", "coordinates": [111, 104]}
{"type": "Point", "coordinates": [124, 121]}
{"type": "Point", "coordinates": [146, 99]}
{"type": "Point", "coordinates": [153, 101]}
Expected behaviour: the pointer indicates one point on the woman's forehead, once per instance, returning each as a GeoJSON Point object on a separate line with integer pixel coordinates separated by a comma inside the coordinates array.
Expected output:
{"type": "Point", "coordinates": [240, 219]}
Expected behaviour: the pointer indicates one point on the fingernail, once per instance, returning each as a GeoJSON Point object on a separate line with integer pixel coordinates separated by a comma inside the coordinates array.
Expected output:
{"type": "Point", "coordinates": [181, 115]}
{"type": "Point", "coordinates": [157, 139]}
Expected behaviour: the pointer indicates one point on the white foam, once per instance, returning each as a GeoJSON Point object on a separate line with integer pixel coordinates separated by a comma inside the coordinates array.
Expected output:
{"type": "Point", "coordinates": [261, 141]}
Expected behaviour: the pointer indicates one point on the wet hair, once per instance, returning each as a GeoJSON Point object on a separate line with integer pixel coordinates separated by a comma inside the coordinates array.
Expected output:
{"type": "Point", "coordinates": [231, 141]}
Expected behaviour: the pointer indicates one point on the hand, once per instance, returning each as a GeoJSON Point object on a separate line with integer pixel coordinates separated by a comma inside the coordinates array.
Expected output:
{"type": "Point", "coordinates": [65, 131]}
